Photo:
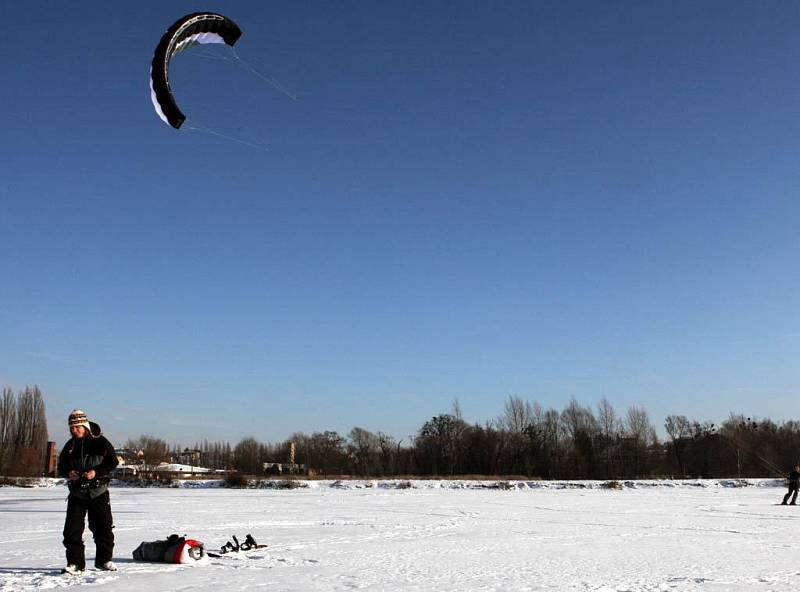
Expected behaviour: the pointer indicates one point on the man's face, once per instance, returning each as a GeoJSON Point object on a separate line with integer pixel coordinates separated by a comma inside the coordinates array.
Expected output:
{"type": "Point", "coordinates": [78, 431]}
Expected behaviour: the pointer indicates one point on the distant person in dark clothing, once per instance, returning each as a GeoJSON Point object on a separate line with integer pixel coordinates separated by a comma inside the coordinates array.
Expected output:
{"type": "Point", "coordinates": [86, 461]}
{"type": "Point", "coordinates": [794, 481]}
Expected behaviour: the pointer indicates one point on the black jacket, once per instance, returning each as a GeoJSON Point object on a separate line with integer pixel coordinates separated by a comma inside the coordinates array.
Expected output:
{"type": "Point", "coordinates": [82, 454]}
{"type": "Point", "coordinates": [794, 477]}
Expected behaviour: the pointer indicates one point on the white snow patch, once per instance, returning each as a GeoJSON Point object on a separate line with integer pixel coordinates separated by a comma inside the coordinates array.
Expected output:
{"type": "Point", "coordinates": [434, 535]}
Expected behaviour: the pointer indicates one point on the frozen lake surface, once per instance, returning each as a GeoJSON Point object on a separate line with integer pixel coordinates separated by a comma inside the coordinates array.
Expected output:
{"type": "Point", "coordinates": [431, 537]}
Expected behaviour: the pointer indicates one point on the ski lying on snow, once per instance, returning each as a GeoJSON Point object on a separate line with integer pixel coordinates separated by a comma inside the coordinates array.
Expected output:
{"type": "Point", "coordinates": [235, 547]}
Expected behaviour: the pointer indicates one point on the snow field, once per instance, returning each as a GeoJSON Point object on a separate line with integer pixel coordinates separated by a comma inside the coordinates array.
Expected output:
{"type": "Point", "coordinates": [429, 538]}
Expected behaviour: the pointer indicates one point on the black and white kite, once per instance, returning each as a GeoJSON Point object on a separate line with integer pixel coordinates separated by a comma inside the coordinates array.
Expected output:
{"type": "Point", "coordinates": [195, 28]}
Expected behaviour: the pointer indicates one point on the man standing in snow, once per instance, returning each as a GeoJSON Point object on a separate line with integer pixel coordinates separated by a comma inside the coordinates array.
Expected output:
{"type": "Point", "coordinates": [794, 480]}
{"type": "Point", "coordinates": [86, 461]}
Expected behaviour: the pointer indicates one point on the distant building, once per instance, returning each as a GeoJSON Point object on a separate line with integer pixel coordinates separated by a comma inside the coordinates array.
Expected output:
{"type": "Point", "coordinates": [51, 460]}
{"type": "Point", "coordinates": [286, 468]}
{"type": "Point", "coordinates": [180, 468]}
{"type": "Point", "coordinates": [124, 472]}
{"type": "Point", "coordinates": [129, 456]}
{"type": "Point", "coordinates": [273, 468]}
{"type": "Point", "coordinates": [188, 457]}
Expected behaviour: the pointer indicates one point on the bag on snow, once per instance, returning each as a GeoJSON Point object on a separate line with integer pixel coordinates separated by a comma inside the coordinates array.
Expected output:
{"type": "Point", "coordinates": [175, 549]}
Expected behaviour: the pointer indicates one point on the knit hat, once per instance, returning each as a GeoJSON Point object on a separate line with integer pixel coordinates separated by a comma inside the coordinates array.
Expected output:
{"type": "Point", "coordinates": [78, 418]}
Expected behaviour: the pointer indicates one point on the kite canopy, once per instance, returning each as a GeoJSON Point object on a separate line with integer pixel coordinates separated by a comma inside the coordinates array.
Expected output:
{"type": "Point", "coordinates": [195, 28]}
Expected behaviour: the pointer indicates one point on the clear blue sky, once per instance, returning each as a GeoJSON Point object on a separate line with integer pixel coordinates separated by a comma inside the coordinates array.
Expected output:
{"type": "Point", "coordinates": [467, 200]}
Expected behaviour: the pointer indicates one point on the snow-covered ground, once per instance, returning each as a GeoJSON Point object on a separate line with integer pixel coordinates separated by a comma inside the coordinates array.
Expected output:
{"type": "Point", "coordinates": [432, 536]}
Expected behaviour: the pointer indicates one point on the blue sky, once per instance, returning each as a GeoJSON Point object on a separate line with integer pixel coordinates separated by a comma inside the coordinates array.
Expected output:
{"type": "Point", "coordinates": [467, 200]}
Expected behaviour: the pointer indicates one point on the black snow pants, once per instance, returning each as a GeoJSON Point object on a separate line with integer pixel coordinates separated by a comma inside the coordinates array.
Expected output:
{"type": "Point", "coordinates": [792, 489]}
{"type": "Point", "coordinates": [101, 524]}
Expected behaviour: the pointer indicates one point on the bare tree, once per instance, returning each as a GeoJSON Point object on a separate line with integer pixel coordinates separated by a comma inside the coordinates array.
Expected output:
{"type": "Point", "coordinates": [438, 444]}
{"type": "Point", "coordinates": [8, 428]}
{"type": "Point", "coordinates": [607, 419]}
{"type": "Point", "coordinates": [30, 439]}
{"type": "Point", "coordinates": [388, 451]}
{"type": "Point", "coordinates": [641, 435]}
{"type": "Point", "coordinates": [517, 415]}
{"type": "Point", "coordinates": [458, 443]}
{"type": "Point", "coordinates": [580, 427]}
{"type": "Point", "coordinates": [363, 450]}
{"type": "Point", "coordinates": [609, 426]}
{"type": "Point", "coordinates": [552, 452]}
{"type": "Point", "coordinates": [520, 436]}
{"type": "Point", "coordinates": [679, 430]}
{"type": "Point", "coordinates": [153, 450]}
{"type": "Point", "coordinates": [323, 452]}
{"type": "Point", "coordinates": [638, 426]}
{"type": "Point", "coordinates": [749, 439]}
{"type": "Point", "coordinates": [247, 456]}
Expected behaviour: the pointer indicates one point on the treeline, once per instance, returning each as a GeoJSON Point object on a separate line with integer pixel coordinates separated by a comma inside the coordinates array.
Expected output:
{"type": "Point", "coordinates": [529, 441]}
{"type": "Point", "coordinates": [526, 440]}
{"type": "Point", "coordinates": [23, 432]}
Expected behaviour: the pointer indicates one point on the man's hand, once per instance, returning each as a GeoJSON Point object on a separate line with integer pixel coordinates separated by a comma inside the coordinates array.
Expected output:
{"type": "Point", "coordinates": [89, 474]}
{"type": "Point", "coordinates": [74, 475]}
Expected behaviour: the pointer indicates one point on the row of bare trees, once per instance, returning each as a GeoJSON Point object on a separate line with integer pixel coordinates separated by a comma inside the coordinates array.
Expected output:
{"type": "Point", "coordinates": [23, 432]}
{"type": "Point", "coordinates": [527, 440]}
{"type": "Point", "coordinates": [739, 447]}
